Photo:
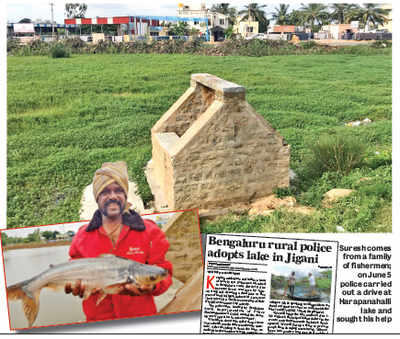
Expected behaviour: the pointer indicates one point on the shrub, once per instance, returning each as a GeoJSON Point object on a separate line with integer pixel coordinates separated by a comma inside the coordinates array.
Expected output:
{"type": "Point", "coordinates": [308, 44]}
{"type": "Point", "coordinates": [336, 153]}
{"type": "Point", "coordinates": [75, 44]}
{"type": "Point", "coordinates": [282, 192]}
{"type": "Point", "coordinates": [59, 51]}
{"type": "Point", "coordinates": [381, 44]}
{"type": "Point", "coordinates": [12, 44]}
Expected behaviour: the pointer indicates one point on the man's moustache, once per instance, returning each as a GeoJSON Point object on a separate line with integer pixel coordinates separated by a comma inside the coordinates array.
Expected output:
{"type": "Point", "coordinates": [113, 201]}
{"type": "Point", "coordinates": [107, 203]}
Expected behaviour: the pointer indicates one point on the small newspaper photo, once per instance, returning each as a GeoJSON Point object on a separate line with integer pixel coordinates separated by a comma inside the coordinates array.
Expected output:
{"type": "Point", "coordinates": [257, 284]}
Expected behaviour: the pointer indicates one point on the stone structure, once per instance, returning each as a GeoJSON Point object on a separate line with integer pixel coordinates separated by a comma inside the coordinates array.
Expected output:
{"type": "Point", "coordinates": [183, 233]}
{"type": "Point", "coordinates": [211, 149]}
{"type": "Point", "coordinates": [188, 297]}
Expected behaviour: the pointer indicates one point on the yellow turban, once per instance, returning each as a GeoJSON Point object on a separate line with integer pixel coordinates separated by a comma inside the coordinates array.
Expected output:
{"type": "Point", "coordinates": [108, 173]}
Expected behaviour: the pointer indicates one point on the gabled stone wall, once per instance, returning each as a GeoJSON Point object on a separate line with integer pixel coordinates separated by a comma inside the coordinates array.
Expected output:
{"type": "Point", "coordinates": [212, 149]}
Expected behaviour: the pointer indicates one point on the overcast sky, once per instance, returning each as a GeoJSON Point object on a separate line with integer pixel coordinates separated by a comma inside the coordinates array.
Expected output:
{"type": "Point", "coordinates": [39, 9]}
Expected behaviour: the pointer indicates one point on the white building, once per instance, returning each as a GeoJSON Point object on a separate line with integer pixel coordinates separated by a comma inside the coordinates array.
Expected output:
{"type": "Point", "coordinates": [200, 11]}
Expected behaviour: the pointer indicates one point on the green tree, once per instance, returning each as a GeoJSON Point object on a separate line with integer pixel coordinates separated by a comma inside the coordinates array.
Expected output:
{"type": "Point", "coordinates": [47, 235]}
{"type": "Point", "coordinates": [224, 8]}
{"type": "Point", "coordinates": [344, 13]}
{"type": "Point", "coordinates": [34, 236]}
{"type": "Point", "coordinates": [4, 239]}
{"type": "Point", "coordinates": [25, 21]}
{"type": "Point", "coordinates": [315, 15]}
{"type": "Point", "coordinates": [372, 15]}
{"type": "Point", "coordinates": [255, 12]}
{"type": "Point", "coordinates": [296, 18]}
{"type": "Point", "coordinates": [182, 28]}
{"type": "Point", "coordinates": [281, 14]}
{"type": "Point", "coordinates": [75, 10]}
{"type": "Point", "coordinates": [229, 33]}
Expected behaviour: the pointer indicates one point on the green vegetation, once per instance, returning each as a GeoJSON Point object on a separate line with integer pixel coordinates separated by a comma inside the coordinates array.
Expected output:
{"type": "Point", "coordinates": [67, 116]}
{"type": "Point", "coordinates": [30, 238]}
{"type": "Point", "coordinates": [336, 153]}
{"type": "Point", "coordinates": [237, 47]}
{"type": "Point", "coordinates": [59, 51]}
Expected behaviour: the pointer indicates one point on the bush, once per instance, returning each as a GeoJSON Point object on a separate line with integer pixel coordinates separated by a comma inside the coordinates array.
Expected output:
{"type": "Point", "coordinates": [308, 44]}
{"type": "Point", "coordinates": [75, 44]}
{"type": "Point", "coordinates": [59, 51]}
{"type": "Point", "coordinates": [336, 153]}
{"type": "Point", "coordinates": [381, 44]}
{"type": "Point", "coordinates": [12, 45]}
{"type": "Point", "coordinates": [239, 47]}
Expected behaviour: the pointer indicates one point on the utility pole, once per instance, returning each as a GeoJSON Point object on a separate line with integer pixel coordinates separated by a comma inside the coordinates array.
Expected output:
{"type": "Point", "coordinates": [52, 20]}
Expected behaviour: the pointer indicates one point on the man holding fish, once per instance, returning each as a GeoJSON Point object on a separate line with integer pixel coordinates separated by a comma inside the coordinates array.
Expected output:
{"type": "Point", "coordinates": [117, 230]}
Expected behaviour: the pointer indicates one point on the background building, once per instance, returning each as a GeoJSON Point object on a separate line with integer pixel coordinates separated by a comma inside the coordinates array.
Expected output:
{"type": "Point", "coordinates": [215, 24]}
{"type": "Point", "coordinates": [245, 28]}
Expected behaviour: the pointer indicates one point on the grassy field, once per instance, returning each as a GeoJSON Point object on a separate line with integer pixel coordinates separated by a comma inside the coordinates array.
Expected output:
{"type": "Point", "coordinates": [68, 116]}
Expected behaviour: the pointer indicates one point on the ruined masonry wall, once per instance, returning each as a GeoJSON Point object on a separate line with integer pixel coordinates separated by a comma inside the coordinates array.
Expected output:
{"type": "Point", "coordinates": [189, 111]}
{"type": "Point", "coordinates": [211, 149]}
{"type": "Point", "coordinates": [183, 235]}
{"type": "Point", "coordinates": [235, 157]}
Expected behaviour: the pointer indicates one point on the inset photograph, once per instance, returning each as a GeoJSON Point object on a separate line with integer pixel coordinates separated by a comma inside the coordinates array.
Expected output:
{"type": "Point", "coordinates": [301, 284]}
{"type": "Point", "coordinates": [69, 273]}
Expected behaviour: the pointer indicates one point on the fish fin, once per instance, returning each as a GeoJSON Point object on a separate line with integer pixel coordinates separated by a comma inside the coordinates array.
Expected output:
{"type": "Point", "coordinates": [101, 297]}
{"type": "Point", "coordinates": [31, 307]}
{"type": "Point", "coordinates": [30, 303]}
{"type": "Point", "coordinates": [15, 292]}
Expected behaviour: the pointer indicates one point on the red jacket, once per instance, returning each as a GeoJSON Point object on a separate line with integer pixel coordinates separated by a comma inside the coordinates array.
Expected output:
{"type": "Point", "coordinates": [148, 246]}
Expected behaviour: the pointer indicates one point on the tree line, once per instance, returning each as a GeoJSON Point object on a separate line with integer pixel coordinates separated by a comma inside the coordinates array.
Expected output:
{"type": "Point", "coordinates": [35, 236]}
{"type": "Point", "coordinates": [311, 15]}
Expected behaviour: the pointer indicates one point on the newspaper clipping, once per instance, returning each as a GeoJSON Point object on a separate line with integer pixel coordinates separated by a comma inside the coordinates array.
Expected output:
{"type": "Point", "coordinates": [255, 284]}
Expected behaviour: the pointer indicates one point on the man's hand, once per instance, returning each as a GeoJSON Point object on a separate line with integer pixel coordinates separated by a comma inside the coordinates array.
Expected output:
{"type": "Point", "coordinates": [135, 290]}
{"type": "Point", "coordinates": [78, 289]}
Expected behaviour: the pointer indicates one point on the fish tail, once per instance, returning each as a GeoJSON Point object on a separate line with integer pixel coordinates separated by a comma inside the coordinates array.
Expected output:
{"type": "Point", "coordinates": [30, 303]}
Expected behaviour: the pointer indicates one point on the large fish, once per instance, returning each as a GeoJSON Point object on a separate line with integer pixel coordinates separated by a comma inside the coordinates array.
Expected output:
{"type": "Point", "coordinates": [106, 272]}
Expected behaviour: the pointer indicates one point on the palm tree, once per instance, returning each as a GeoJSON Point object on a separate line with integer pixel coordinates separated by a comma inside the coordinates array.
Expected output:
{"type": "Point", "coordinates": [373, 14]}
{"type": "Point", "coordinates": [255, 12]}
{"type": "Point", "coordinates": [281, 15]}
{"type": "Point", "coordinates": [296, 18]}
{"type": "Point", "coordinates": [344, 13]}
{"type": "Point", "coordinates": [315, 15]}
{"type": "Point", "coordinates": [224, 8]}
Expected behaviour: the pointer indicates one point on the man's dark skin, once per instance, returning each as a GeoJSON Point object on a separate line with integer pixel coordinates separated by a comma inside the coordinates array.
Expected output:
{"type": "Point", "coordinates": [111, 202]}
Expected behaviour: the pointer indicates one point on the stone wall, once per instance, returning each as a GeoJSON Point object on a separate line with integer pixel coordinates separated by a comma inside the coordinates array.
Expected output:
{"type": "Point", "coordinates": [186, 110]}
{"type": "Point", "coordinates": [228, 154]}
{"type": "Point", "coordinates": [188, 297]}
{"type": "Point", "coordinates": [183, 234]}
